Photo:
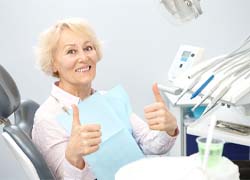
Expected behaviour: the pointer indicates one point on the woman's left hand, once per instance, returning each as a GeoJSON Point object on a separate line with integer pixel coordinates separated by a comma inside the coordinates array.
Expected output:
{"type": "Point", "coordinates": [158, 116]}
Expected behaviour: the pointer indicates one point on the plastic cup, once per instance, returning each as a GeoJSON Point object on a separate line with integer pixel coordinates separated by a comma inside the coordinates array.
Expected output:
{"type": "Point", "coordinates": [215, 153]}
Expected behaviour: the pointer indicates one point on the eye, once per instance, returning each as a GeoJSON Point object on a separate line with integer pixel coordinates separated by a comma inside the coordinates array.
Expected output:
{"type": "Point", "coordinates": [71, 51]}
{"type": "Point", "coordinates": [88, 48]}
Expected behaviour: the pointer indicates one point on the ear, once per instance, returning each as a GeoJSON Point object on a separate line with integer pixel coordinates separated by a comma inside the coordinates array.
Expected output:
{"type": "Point", "coordinates": [54, 67]}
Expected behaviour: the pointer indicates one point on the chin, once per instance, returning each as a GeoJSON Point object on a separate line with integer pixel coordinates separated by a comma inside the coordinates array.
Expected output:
{"type": "Point", "coordinates": [86, 81]}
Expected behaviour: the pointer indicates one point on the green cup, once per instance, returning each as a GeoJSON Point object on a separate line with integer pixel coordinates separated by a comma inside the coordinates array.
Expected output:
{"type": "Point", "coordinates": [215, 153]}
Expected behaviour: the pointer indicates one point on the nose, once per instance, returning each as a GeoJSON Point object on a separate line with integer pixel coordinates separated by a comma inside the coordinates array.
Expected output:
{"type": "Point", "coordinates": [82, 56]}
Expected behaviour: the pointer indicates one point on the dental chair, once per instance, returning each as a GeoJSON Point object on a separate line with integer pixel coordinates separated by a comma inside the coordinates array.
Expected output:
{"type": "Point", "coordinates": [18, 135]}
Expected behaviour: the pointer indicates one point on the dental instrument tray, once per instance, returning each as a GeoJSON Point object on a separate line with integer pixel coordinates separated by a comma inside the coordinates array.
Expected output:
{"type": "Point", "coordinates": [233, 128]}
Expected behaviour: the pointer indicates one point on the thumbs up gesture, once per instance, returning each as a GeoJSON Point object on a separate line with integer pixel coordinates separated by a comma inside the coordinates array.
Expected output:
{"type": "Point", "coordinates": [157, 115]}
{"type": "Point", "coordinates": [84, 139]}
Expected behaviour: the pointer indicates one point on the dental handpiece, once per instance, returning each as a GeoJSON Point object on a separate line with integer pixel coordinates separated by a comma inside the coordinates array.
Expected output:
{"type": "Point", "coordinates": [245, 70]}
{"type": "Point", "coordinates": [216, 99]}
{"type": "Point", "coordinates": [235, 70]}
{"type": "Point", "coordinates": [187, 88]}
{"type": "Point", "coordinates": [208, 94]}
{"type": "Point", "coordinates": [224, 91]}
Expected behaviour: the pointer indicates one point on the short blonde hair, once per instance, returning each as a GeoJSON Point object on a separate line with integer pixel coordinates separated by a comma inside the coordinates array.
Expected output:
{"type": "Point", "coordinates": [49, 39]}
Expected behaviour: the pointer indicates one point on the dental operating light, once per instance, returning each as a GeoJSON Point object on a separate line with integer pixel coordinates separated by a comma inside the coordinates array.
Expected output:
{"type": "Point", "coordinates": [183, 10]}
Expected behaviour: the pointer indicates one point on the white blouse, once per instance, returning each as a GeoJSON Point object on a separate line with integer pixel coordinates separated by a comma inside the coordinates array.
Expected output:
{"type": "Point", "coordinates": [51, 138]}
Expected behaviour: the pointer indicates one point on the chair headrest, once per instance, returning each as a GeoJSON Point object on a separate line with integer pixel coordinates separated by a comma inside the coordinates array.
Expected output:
{"type": "Point", "coordinates": [9, 94]}
{"type": "Point", "coordinates": [24, 116]}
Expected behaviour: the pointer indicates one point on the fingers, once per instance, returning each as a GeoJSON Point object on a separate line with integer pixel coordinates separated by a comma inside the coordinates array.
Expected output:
{"type": "Point", "coordinates": [154, 114]}
{"type": "Point", "coordinates": [159, 118]}
{"type": "Point", "coordinates": [156, 120]}
{"type": "Point", "coordinates": [76, 119]}
{"type": "Point", "coordinates": [84, 139]}
{"type": "Point", "coordinates": [90, 135]}
{"type": "Point", "coordinates": [156, 117]}
{"type": "Point", "coordinates": [155, 110]}
{"type": "Point", "coordinates": [154, 107]}
{"type": "Point", "coordinates": [159, 124]}
{"type": "Point", "coordinates": [90, 149]}
{"type": "Point", "coordinates": [90, 138]}
{"type": "Point", "coordinates": [91, 127]}
{"type": "Point", "coordinates": [157, 94]}
{"type": "Point", "coordinates": [92, 142]}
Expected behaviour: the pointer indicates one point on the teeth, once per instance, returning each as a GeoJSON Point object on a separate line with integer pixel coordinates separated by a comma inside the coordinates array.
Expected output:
{"type": "Point", "coordinates": [83, 69]}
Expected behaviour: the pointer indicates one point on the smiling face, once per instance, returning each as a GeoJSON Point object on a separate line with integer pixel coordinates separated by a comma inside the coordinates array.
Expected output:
{"type": "Point", "coordinates": [75, 61]}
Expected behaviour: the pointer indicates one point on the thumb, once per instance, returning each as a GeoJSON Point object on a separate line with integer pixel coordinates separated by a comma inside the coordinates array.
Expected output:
{"type": "Point", "coordinates": [76, 119]}
{"type": "Point", "coordinates": [157, 94]}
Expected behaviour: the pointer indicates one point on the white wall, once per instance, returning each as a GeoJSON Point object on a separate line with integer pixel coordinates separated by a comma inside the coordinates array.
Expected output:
{"type": "Point", "coordinates": [139, 44]}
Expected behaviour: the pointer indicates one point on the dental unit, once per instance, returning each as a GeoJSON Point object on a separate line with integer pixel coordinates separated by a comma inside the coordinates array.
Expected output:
{"type": "Point", "coordinates": [222, 82]}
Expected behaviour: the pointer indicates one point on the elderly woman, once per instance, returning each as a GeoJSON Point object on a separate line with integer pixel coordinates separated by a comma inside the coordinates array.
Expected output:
{"type": "Point", "coordinates": [69, 51]}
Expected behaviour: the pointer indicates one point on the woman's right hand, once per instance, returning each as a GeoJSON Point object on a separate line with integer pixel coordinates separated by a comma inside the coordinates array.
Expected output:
{"type": "Point", "coordinates": [84, 139]}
